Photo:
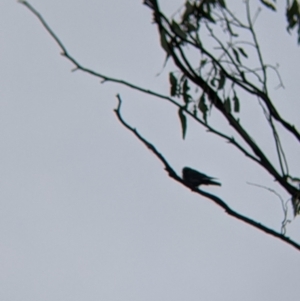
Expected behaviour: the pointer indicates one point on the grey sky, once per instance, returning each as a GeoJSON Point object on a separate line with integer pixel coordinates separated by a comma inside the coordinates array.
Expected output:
{"type": "Point", "coordinates": [86, 211]}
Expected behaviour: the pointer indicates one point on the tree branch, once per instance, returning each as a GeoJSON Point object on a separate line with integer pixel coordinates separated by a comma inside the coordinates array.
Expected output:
{"type": "Point", "coordinates": [214, 99]}
{"type": "Point", "coordinates": [217, 102]}
{"type": "Point", "coordinates": [210, 196]}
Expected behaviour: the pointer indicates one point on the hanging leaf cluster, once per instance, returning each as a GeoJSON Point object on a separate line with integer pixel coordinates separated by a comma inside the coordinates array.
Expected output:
{"type": "Point", "coordinates": [293, 17]}
{"type": "Point", "coordinates": [292, 13]}
{"type": "Point", "coordinates": [237, 51]}
{"type": "Point", "coordinates": [180, 88]}
{"type": "Point", "coordinates": [198, 10]}
{"type": "Point", "coordinates": [232, 103]}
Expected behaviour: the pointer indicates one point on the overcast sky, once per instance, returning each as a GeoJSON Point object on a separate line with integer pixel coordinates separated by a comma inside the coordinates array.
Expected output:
{"type": "Point", "coordinates": [86, 211]}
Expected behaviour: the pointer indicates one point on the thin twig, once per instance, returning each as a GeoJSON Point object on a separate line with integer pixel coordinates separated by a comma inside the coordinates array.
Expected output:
{"type": "Point", "coordinates": [279, 149]}
{"type": "Point", "coordinates": [257, 46]}
{"type": "Point", "coordinates": [285, 220]}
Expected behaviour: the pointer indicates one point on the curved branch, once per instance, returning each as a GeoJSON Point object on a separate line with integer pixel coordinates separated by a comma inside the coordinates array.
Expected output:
{"type": "Point", "coordinates": [210, 196]}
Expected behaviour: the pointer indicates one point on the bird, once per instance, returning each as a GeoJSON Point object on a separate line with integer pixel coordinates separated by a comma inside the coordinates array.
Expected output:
{"type": "Point", "coordinates": [195, 178]}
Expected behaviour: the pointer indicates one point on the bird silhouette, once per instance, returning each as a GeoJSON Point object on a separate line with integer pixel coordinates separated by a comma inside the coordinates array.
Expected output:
{"type": "Point", "coordinates": [195, 178]}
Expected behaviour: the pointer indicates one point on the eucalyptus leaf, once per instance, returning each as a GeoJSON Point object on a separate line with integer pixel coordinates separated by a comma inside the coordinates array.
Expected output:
{"type": "Point", "coordinates": [188, 10]}
{"type": "Point", "coordinates": [203, 107]}
{"type": "Point", "coordinates": [236, 54]}
{"type": "Point", "coordinates": [164, 43]}
{"type": "Point", "coordinates": [293, 15]}
{"type": "Point", "coordinates": [242, 51]}
{"type": "Point", "coordinates": [221, 80]}
{"type": "Point", "coordinates": [227, 105]}
{"type": "Point", "coordinates": [236, 104]}
{"type": "Point", "coordinates": [176, 28]}
{"type": "Point", "coordinates": [268, 4]}
{"type": "Point", "coordinates": [183, 122]}
{"type": "Point", "coordinates": [174, 84]}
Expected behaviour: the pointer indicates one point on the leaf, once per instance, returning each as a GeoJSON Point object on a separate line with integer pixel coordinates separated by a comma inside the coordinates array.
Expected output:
{"type": "Point", "coordinates": [188, 10]}
{"type": "Point", "coordinates": [164, 43]}
{"type": "Point", "coordinates": [236, 54]}
{"type": "Point", "coordinates": [212, 82]}
{"type": "Point", "coordinates": [203, 63]}
{"type": "Point", "coordinates": [222, 3]}
{"type": "Point", "coordinates": [221, 80]}
{"type": "Point", "coordinates": [185, 88]}
{"type": "Point", "coordinates": [190, 27]}
{"type": "Point", "coordinates": [236, 103]}
{"type": "Point", "coordinates": [174, 86]}
{"type": "Point", "coordinates": [195, 110]}
{"type": "Point", "coordinates": [268, 4]}
{"type": "Point", "coordinates": [292, 15]}
{"type": "Point", "coordinates": [296, 204]}
{"type": "Point", "coordinates": [176, 28]}
{"type": "Point", "coordinates": [187, 98]}
{"type": "Point", "coordinates": [182, 118]}
{"type": "Point", "coordinates": [227, 105]}
{"type": "Point", "coordinates": [205, 13]}
{"type": "Point", "coordinates": [242, 51]}
{"type": "Point", "coordinates": [203, 107]}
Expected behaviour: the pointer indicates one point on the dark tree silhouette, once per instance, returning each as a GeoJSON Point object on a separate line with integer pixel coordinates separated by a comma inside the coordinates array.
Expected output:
{"type": "Point", "coordinates": [231, 64]}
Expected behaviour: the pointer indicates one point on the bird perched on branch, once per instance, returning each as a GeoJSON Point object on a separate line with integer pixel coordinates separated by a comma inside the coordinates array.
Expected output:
{"type": "Point", "coordinates": [195, 178]}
